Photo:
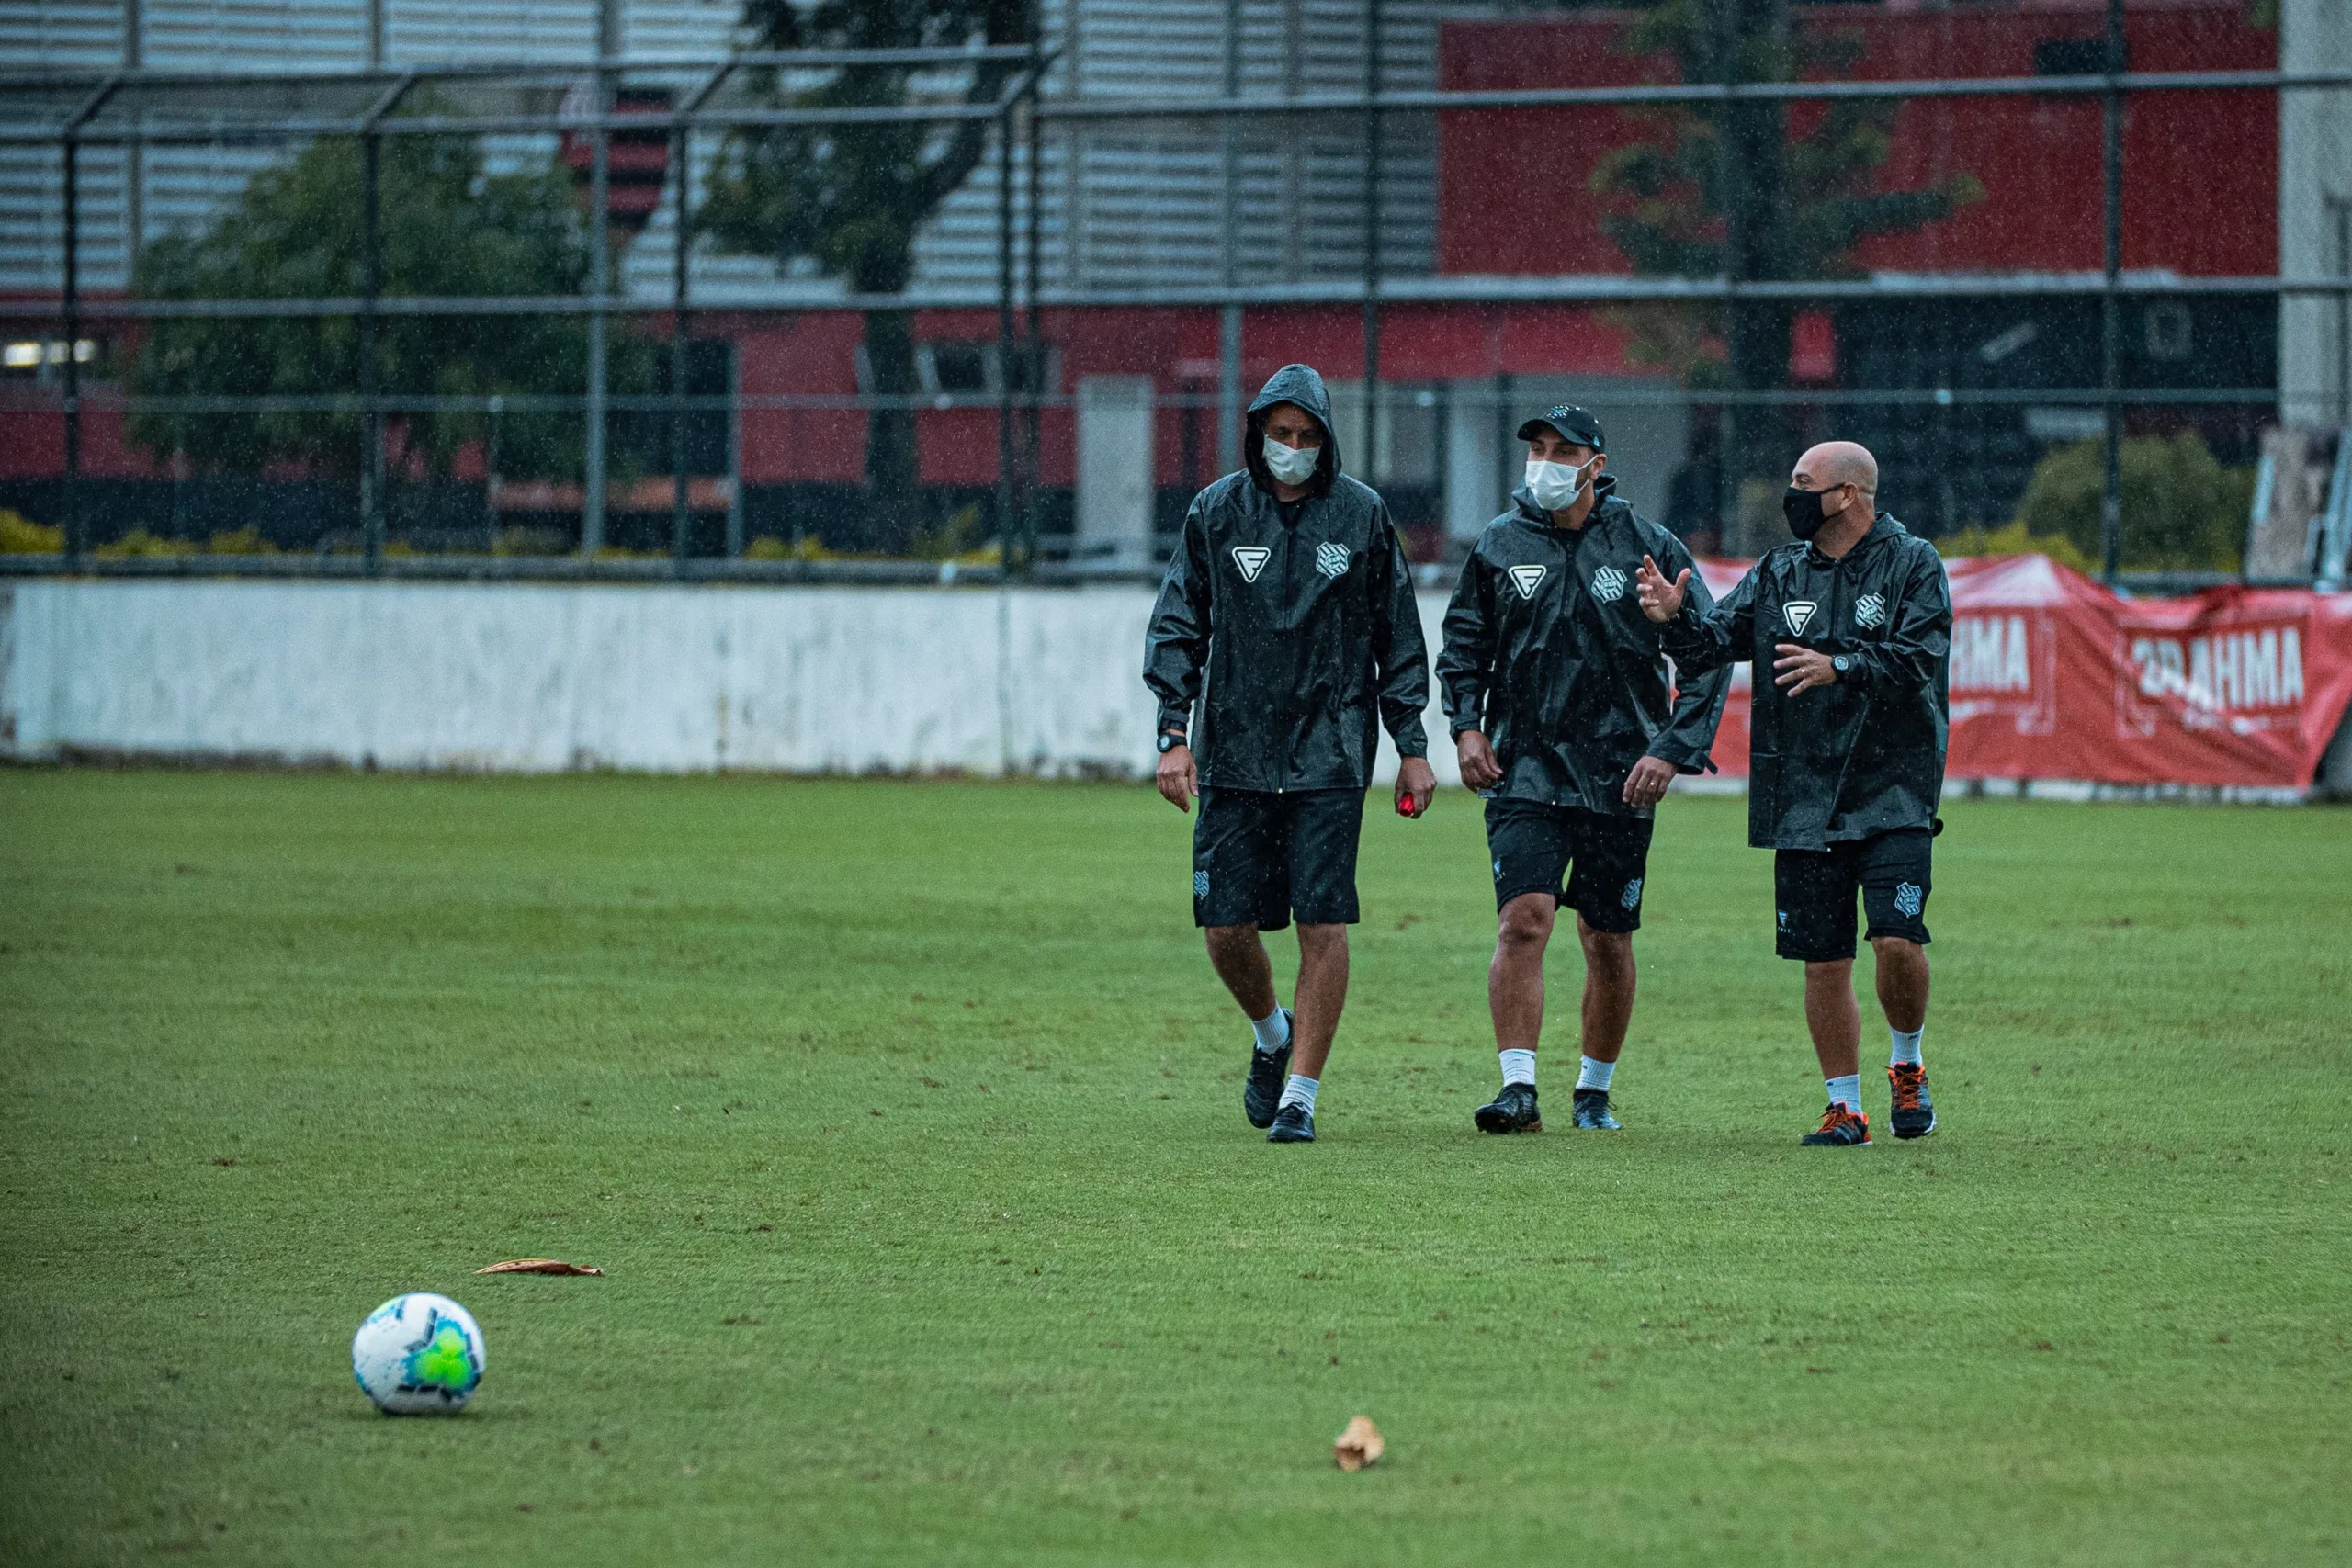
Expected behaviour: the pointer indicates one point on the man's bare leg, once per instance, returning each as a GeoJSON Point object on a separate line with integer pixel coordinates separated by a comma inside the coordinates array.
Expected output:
{"type": "Point", "coordinates": [1515, 998]}
{"type": "Point", "coordinates": [1240, 961]}
{"type": "Point", "coordinates": [1837, 1026]}
{"type": "Point", "coordinates": [1608, 990]}
{"type": "Point", "coordinates": [1831, 1013]}
{"type": "Point", "coordinates": [1903, 997]}
{"type": "Point", "coordinates": [1321, 997]}
{"type": "Point", "coordinates": [1515, 978]}
{"type": "Point", "coordinates": [1901, 984]}
{"type": "Point", "coordinates": [1608, 1011]}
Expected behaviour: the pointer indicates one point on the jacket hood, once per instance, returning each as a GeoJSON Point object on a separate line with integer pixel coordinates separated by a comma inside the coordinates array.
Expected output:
{"type": "Point", "coordinates": [1604, 491]}
{"type": "Point", "coordinates": [1302, 385]}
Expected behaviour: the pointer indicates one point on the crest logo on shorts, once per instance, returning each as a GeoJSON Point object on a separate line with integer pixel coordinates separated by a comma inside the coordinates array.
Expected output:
{"type": "Point", "coordinates": [1798, 613]}
{"type": "Point", "coordinates": [1200, 884]}
{"type": "Point", "coordinates": [1783, 915]}
{"type": "Point", "coordinates": [1908, 896]}
{"type": "Point", "coordinates": [1251, 559]}
{"type": "Point", "coordinates": [1870, 610]}
{"type": "Point", "coordinates": [1498, 870]}
{"type": "Point", "coordinates": [1526, 577]}
{"type": "Point", "coordinates": [1609, 585]}
{"type": "Point", "coordinates": [1331, 559]}
{"type": "Point", "coordinates": [1631, 898]}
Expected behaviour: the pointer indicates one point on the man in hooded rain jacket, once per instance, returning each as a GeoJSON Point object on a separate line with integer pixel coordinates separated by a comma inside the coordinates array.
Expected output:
{"type": "Point", "coordinates": [1289, 600]}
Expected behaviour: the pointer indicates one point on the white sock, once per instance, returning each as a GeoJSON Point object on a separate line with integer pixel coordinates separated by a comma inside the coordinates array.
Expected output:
{"type": "Point", "coordinates": [1907, 1047]}
{"type": "Point", "coordinates": [1519, 1066]}
{"type": "Point", "coordinates": [1300, 1092]}
{"type": "Point", "coordinates": [1595, 1075]}
{"type": "Point", "coordinates": [1273, 1030]}
{"type": "Point", "coordinates": [1847, 1092]}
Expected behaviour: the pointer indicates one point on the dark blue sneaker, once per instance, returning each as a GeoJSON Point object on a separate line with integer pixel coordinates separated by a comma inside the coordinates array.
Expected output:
{"type": "Point", "coordinates": [1915, 1114]}
{"type": "Point", "coordinates": [1513, 1110]}
{"type": "Point", "coordinates": [1590, 1110]}
{"type": "Point", "coordinates": [1840, 1128]}
{"type": "Point", "coordinates": [1269, 1070]}
{"type": "Point", "coordinates": [1293, 1124]}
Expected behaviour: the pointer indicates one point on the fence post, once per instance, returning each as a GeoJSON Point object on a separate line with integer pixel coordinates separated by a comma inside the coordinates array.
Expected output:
{"type": "Point", "coordinates": [372, 284]}
{"type": "Point", "coordinates": [2110, 506]}
{"type": "Point", "coordinates": [680, 517]}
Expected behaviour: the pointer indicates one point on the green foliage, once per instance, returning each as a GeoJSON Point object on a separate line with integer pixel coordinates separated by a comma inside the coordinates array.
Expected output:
{"type": "Point", "coordinates": [19, 537]}
{"type": "Point", "coordinates": [902, 1117]}
{"type": "Point", "coordinates": [849, 199]}
{"type": "Point", "coordinates": [1803, 189]}
{"type": "Point", "coordinates": [2182, 511]}
{"type": "Point", "coordinates": [2012, 539]}
{"type": "Point", "coordinates": [139, 543]}
{"type": "Point", "coordinates": [449, 229]}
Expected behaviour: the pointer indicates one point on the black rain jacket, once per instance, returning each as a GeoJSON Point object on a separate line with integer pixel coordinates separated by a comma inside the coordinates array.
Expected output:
{"type": "Point", "coordinates": [1305, 631]}
{"type": "Point", "coordinates": [1865, 756]}
{"type": "Point", "coordinates": [1548, 654]}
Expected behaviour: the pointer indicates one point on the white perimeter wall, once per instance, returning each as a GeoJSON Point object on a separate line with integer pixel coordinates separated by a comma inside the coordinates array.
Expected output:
{"type": "Point", "coordinates": [537, 679]}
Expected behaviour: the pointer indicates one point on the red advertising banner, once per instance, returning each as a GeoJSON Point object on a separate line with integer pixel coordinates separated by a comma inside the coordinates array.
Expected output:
{"type": "Point", "coordinates": [2055, 677]}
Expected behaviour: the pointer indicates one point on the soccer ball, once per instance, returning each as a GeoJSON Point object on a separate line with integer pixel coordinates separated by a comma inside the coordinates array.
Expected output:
{"type": "Point", "coordinates": [418, 1355]}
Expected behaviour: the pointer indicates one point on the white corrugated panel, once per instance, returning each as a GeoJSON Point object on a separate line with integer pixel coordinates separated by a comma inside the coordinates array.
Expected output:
{"type": "Point", "coordinates": [66, 34]}
{"type": "Point", "coordinates": [1142, 206]}
{"type": "Point", "coordinates": [534, 32]}
{"type": "Point", "coordinates": [255, 35]}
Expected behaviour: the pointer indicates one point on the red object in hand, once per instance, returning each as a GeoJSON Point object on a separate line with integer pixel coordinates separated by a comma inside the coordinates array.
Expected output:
{"type": "Point", "coordinates": [1405, 806]}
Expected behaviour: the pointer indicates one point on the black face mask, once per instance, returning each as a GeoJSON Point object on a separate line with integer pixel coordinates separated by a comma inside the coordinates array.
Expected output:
{"type": "Point", "coordinates": [1802, 508]}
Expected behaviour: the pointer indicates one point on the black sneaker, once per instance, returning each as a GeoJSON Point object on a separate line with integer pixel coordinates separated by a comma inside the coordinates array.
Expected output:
{"type": "Point", "coordinates": [1915, 1114]}
{"type": "Point", "coordinates": [1590, 1110]}
{"type": "Point", "coordinates": [1513, 1110]}
{"type": "Point", "coordinates": [1840, 1128]}
{"type": "Point", "coordinates": [1293, 1124]}
{"type": "Point", "coordinates": [1269, 1070]}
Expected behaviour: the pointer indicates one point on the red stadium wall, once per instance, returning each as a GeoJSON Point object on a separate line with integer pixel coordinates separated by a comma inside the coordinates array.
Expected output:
{"type": "Point", "coordinates": [1514, 198]}
{"type": "Point", "coordinates": [2200, 169]}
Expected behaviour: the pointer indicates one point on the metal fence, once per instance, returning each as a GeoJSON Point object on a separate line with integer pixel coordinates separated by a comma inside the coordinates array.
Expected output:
{"type": "Point", "coordinates": [687, 438]}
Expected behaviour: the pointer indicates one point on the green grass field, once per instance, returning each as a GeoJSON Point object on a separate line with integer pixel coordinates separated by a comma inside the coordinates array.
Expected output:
{"type": "Point", "coordinates": [904, 1118]}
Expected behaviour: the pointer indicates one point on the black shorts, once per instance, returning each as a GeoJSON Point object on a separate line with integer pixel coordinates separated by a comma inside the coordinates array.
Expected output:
{"type": "Point", "coordinates": [1815, 892]}
{"type": "Point", "coordinates": [1258, 857]}
{"type": "Point", "coordinates": [1533, 845]}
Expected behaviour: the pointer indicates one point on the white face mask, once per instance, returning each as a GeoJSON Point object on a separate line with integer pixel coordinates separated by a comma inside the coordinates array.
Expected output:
{"type": "Point", "coordinates": [1555, 486]}
{"type": "Point", "coordinates": [1291, 465]}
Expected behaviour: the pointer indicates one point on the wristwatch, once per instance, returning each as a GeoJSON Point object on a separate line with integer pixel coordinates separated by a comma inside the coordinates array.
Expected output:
{"type": "Point", "coordinates": [1169, 740]}
{"type": "Point", "coordinates": [1841, 664]}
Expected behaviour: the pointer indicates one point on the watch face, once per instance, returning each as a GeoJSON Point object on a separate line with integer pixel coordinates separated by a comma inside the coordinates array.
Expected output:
{"type": "Point", "coordinates": [1841, 664]}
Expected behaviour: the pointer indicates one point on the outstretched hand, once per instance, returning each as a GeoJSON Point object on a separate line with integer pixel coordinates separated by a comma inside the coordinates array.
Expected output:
{"type": "Point", "coordinates": [1661, 600]}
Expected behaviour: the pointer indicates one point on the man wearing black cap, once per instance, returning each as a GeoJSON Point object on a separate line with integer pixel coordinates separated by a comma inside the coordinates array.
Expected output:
{"type": "Point", "coordinates": [1565, 719]}
{"type": "Point", "coordinates": [1290, 593]}
{"type": "Point", "coordinates": [1846, 756]}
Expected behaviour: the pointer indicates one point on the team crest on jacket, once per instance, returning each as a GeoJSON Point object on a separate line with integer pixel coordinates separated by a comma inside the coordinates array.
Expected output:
{"type": "Point", "coordinates": [1609, 585]}
{"type": "Point", "coordinates": [1870, 610]}
{"type": "Point", "coordinates": [1525, 579]}
{"type": "Point", "coordinates": [1251, 559]}
{"type": "Point", "coordinates": [1330, 560]}
{"type": "Point", "coordinates": [1798, 613]}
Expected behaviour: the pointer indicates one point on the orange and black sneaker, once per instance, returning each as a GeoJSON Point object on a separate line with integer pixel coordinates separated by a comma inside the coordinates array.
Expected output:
{"type": "Point", "coordinates": [1840, 1127]}
{"type": "Point", "coordinates": [1915, 1114]}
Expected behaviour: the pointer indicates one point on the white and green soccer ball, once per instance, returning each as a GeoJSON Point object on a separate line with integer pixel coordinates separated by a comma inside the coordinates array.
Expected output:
{"type": "Point", "coordinates": [418, 1355]}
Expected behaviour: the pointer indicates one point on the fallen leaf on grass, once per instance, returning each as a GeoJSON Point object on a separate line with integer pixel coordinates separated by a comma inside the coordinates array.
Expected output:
{"type": "Point", "coordinates": [537, 1265]}
{"type": "Point", "coordinates": [1359, 1445]}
